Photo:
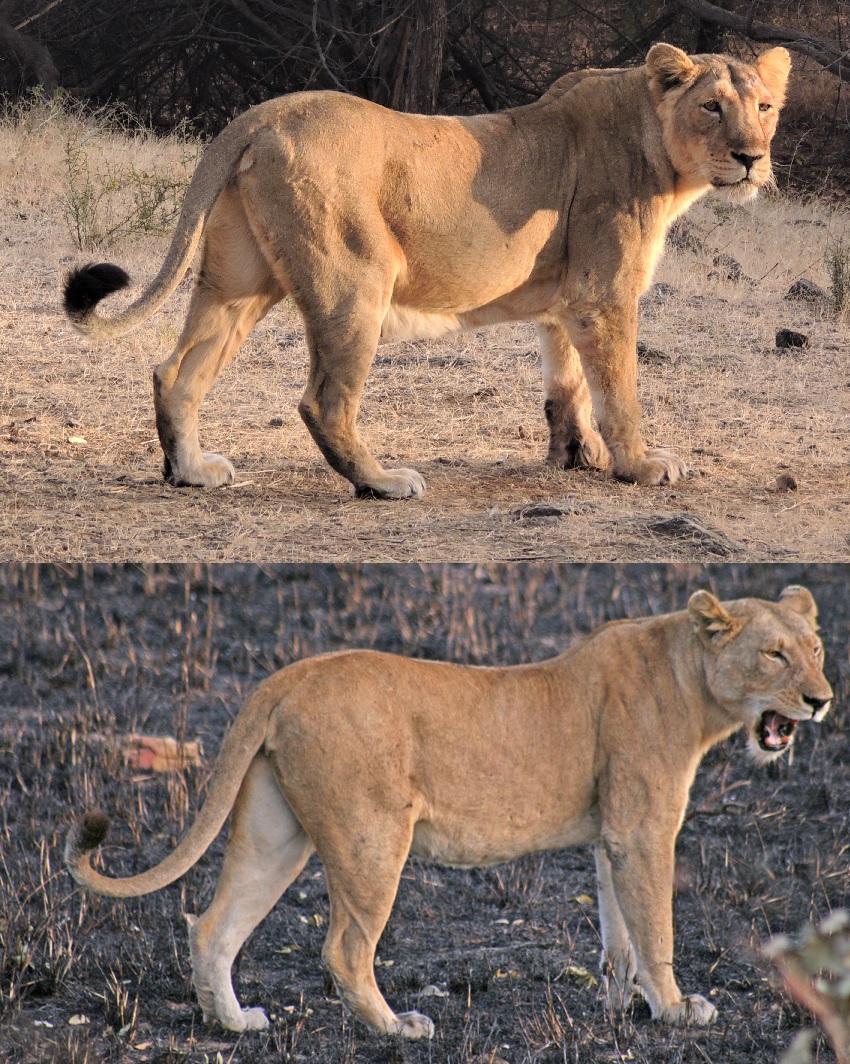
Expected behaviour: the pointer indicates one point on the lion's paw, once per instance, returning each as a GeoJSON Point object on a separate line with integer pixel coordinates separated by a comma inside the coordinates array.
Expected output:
{"type": "Point", "coordinates": [239, 1019]}
{"type": "Point", "coordinates": [212, 471]}
{"type": "Point", "coordinates": [589, 452]}
{"type": "Point", "coordinates": [657, 467]}
{"type": "Point", "coordinates": [414, 1025]}
{"type": "Point", "coordinates": [693, 1009]}
{"type": "Point", "coordinates": [255, 1019]}
{"type": "Point", "coordinates": [392, 484]}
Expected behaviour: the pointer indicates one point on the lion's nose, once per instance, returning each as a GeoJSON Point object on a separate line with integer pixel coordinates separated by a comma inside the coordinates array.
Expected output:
{"type": "Point", "coordinates": [746, 160]}
{"type": "Point", "coordinates": [817, 704]}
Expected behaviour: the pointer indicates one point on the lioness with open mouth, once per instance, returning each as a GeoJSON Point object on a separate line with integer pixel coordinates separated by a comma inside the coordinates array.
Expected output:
{"type": "Point", "coordinates": [367, 757]}
{"type": "Point", "coordinates": [380, 224]}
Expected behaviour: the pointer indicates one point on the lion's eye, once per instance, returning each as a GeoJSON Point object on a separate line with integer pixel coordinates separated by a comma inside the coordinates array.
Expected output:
{"type": "Point", "coordinates": [818, 651]}
{"type": "Point", "coordinates": [765, 107]}
{"type": "Point", "coordinates": [775, 655]}
{"type": "Point", "coordinates": [713, 106]}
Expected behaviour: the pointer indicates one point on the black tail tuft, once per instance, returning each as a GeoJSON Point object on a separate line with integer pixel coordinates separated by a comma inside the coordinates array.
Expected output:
{"type": "Point", "coordinates": [91, 830]}
{"type": "Point", "coordinates": [86, 286]}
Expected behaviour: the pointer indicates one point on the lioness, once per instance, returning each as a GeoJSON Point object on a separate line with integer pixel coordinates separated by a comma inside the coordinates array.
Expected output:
{"type": "Point", "coordinates": [380, 224]}
{"type": "Point", "coordinates": [367, 757]}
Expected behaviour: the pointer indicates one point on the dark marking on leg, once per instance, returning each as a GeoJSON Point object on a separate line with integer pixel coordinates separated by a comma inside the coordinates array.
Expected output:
{"type": "Point", "coordinates": [167, 436]}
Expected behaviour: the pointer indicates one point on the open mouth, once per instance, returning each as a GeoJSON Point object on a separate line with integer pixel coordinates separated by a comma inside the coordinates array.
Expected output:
{"type": "Point", "coordinates": [743, 182]}
{"type": "Point", "coordinates": [774, 732]}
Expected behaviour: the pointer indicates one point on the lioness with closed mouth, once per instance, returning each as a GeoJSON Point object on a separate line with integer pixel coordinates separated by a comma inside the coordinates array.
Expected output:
{"type": "Point", "coordinates": [367, 757]}
{"type": "Point", "coordinates": [380, 224]}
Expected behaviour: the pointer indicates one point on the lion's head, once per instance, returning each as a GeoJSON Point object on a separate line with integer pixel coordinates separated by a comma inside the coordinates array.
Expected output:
{"type": "Point", "coordinates": [764, 664]}
{"type": "Point", "coordinates": [719, 115]}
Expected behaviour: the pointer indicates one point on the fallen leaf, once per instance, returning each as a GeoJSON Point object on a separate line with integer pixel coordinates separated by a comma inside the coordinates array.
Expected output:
{"type": "Point", "coordinates": [581, 976]}
{"type": "Point", "coordinates": [153, 753]}
{"type": "Point", "coordinates": [78, 1020]}
{"type": "Point", "coordinates": [77, 439]}
{"type": "Point", "coordinates": [582, 899]}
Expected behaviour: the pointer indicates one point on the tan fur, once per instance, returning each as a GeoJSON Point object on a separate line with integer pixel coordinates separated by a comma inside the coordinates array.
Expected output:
{"type": "Point", "coordinates": [369, 757]}
{"type": "Point", "coordinates": [379, 223]}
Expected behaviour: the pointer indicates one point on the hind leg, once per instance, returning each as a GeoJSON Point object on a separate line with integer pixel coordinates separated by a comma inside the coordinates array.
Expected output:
{"type": "Point", "coordinates": [573, 441]}
{"type": "Point", "coordinates": [362, 885]}
{"type": "Point", "coordinates": [266, 849]}
{"type": "Point", "coordinates": [617, 959]}
{"type": "Point", "coordinates": [235, 290]}
{"type": "Point", "coordinates": [341, 277]}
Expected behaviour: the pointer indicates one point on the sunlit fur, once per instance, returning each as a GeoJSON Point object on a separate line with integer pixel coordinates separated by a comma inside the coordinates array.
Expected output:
{"type": "Point", "coordinates": [378, 223]}
{"type": "Point", "coordinates": [366, 758]}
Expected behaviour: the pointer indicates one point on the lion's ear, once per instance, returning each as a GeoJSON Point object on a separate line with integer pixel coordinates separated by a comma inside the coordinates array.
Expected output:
{"type": "Point", "coordinates": [711, 622]}
{"type": "Point", "coordinates": [668, 66]}
{"type": "Point", "coordinates": [773, 68]}
{"type": "Point", "coordinates": [800, 600]}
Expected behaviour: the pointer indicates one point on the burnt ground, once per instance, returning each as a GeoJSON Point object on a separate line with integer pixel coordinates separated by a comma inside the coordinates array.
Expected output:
{"type": "Point", "coordinates": [88, 654]}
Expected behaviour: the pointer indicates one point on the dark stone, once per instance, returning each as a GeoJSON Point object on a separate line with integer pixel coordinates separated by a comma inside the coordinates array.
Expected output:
{"type": "Point", "coordinates": [787, 338]}
{"type": "Point", "coordinates": [728, 268]}
{"type": "Point", "coordinates": [808, 291]}
{"type": "Point", "coordinates": [652, 354]}
{"type": "Point", "coordinates": [660, 292]}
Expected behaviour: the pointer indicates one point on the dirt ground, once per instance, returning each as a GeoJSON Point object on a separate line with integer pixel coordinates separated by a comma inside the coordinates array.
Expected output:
{"type": "Point", "coordinates": [90, 654]}
{"type": "Point", "coordinates": [765, 431]}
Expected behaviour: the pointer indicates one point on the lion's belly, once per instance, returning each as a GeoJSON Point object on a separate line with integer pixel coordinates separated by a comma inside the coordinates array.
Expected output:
{"type": "Point", "coordinates": [527, 303]}
{"type": "Point", "coordinates": [407, 323]}
{"type": "Point", "coordinates": [463, 843]}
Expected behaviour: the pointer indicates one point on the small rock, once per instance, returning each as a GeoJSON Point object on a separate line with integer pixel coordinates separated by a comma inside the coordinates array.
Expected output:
{"type": "Point", "coordinates": [652, 354]}
{"type": "Point", "coordinates": [728, 268]}
{"type": "Point", "coordinates": [277, 422]}
{"type": "Point", "coordinates": [683, 237]}
{"type": "Point", "coordinates": [785, 482]}
{"type": "Point", "coordinates": [660, 292]}
{"type": "Point", "coordinates": [787, 338]}
{"type": "Point", "coordinates": [808, 291]}
{"type": "Point", "coordinates": [537, 511]}
{"type": "Point", "coordinates": [692, 530]}
{"type": "Point", "coordinates": [433, 991]}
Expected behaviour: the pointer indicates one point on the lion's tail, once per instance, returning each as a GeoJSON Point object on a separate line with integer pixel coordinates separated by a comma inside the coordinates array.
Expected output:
{"type": "Point", "coordinates": [87, 286]}
{"type": "Point", "coordinates": [237, 751]}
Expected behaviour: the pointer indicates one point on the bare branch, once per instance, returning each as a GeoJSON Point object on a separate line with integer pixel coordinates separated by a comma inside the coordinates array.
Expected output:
{"type": "Point", "coordinates": [820, 49]}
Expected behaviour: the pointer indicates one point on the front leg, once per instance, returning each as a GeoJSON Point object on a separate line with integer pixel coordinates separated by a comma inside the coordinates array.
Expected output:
{"type": "Point", "coordinates": [606, 338]}
{"type": "Point", "coordinates": [641, 869]}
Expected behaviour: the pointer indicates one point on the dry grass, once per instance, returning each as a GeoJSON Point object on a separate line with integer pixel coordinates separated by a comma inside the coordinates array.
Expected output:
{"type": "Point", "coordinates": [466, 411]}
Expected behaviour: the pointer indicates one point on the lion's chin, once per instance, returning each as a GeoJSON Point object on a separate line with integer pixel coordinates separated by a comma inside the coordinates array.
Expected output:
{"type": "Point", "coordinates": [741, 192]}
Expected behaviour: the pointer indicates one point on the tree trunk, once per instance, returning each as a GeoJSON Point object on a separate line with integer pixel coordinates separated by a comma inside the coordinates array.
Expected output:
{"type": "Point", "coordinates": [33, 58]}
{"type": "Point", "coordinates": [425, 63]}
